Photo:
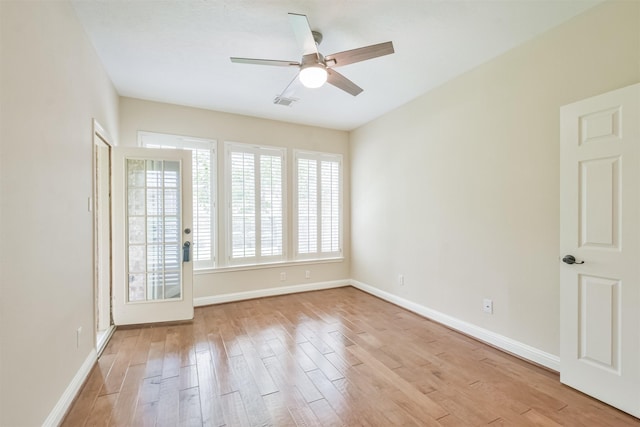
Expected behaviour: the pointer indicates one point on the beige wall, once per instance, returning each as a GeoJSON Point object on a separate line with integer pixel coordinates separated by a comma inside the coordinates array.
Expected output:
{"type": "Point", "coordinates": [137, 115]}
{"type": "Point", "coordinates": [51, 87]}
{"type": "Point", "coordinates": [469, 176]}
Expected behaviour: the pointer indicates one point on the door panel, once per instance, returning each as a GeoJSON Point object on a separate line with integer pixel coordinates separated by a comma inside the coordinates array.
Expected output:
{"type": "Point", "coordinates": [600, 226]}
{"type": "Point", "coordinates": [600, 203]}
{"type": "Point", "coordinates": [152, 203]}
{"type": "Point", "coordinates": [599, 328]}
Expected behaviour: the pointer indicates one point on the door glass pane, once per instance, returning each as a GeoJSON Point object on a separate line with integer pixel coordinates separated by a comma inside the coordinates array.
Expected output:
{"type": "Point", "coordinates": [135, 173]}
{"type": "Point", "coordinates": [155, 230]}
{"type": "Point", "coordinates": [136, 229]}
{"type": "Point", "coordinates": [153, 218]}
{"type": "Point", "coordinates": [154, 257]}
{"type": "Point", "coordinates": [154, 201]}
{"type": "Point", "coordinates": [136, 287]}
{"type": "Point", "coordinates": [171, 201]}
{"type": "Point", "coordinates": [171, 233]}
{"type": "Point", "coordinates": [136, 201]}
{"type": "Point", "coordinates": [137, 259]}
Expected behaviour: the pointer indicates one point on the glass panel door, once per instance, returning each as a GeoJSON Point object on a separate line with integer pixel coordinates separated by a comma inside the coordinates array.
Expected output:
{"type": "Point", "coordinates": [154, 229]}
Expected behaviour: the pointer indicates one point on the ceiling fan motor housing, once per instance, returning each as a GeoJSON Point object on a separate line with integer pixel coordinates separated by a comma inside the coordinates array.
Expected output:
{"type": "Point", "coordinates": [317, 36]}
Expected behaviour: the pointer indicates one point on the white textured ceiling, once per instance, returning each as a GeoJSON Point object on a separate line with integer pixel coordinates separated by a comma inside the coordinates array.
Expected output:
{"type": "Point", "coordinates": [178, 51]}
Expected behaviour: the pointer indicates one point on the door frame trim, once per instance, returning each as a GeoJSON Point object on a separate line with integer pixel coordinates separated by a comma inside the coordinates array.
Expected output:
{"type": "Point", "coordinates": [100, 132]}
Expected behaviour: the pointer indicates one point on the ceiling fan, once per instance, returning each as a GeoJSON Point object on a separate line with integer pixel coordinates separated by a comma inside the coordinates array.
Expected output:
{"type": "Point", "coordinates": [316, 69]}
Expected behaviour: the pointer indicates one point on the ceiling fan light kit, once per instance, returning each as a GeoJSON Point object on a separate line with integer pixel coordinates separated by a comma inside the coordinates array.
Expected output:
{"type": "Point", "coordinates": [316, 69]}
{"type": "Point", "coordinates": [313, 76]}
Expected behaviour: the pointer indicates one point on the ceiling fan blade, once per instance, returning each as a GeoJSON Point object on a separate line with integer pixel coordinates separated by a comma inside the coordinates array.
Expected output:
{"type": "Point", "coordinates": [302, 30]}
{"type": "Point", "coordinates": [274, 62]}
{"type": "Point", "coordinates": [341, 82]}
{"type": "Point", "coordinates": [361, 54]}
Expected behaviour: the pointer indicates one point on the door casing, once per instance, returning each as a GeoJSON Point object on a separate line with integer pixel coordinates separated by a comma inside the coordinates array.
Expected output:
{"type": "Point", "coordinates": [102, 236]}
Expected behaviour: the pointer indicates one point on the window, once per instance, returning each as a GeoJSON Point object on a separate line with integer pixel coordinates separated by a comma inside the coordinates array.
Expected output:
{"type": "Point", "coordinates": [203, 154]}
{"type": "Point", "coordinates": [255, 216]}
{"type": "Point", "coordinates": [318, 205]}
{"type": "Point", "coordinates": [255, 195]}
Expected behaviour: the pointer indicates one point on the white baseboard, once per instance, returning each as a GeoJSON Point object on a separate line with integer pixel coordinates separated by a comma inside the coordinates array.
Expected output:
{"type": "Point", "coordinates": [269, 292]}
{"type": "Point", "coordinates": [64, 403]}
{"type": "Point", "coordinates": [500, 341]}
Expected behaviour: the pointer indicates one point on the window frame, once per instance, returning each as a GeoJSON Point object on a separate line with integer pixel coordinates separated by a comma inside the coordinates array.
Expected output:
{"type": "Point", "coordinates": [318, 157]}
{"type": "Point", "coordinates": [256, 150]}
{"type": "Point", "coordinates": [157, 140]}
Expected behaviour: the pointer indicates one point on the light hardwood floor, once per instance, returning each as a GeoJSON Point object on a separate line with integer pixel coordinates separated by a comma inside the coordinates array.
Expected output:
{"type": "Point", "coordinates": [338, 357]}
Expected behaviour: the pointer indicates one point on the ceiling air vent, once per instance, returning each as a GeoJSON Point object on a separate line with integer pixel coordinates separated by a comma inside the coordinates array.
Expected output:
{"type": "Point", "coordinates": [281, 100]}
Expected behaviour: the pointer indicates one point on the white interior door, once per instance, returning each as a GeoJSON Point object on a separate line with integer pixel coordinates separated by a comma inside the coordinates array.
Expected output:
{"type": "Point", "coordinates": [600, 226]}
{"type": "Point", "coordinates": [152, 235]}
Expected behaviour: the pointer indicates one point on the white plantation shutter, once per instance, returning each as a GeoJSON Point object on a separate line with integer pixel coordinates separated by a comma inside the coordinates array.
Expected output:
{"type": "Point", "coordinates": [330, 206]}
{"type": "Point", "coordinates": [307, 206]}
{"type": "Point", "coordinates": [243, 205]}
{"type": "Point", "coordinates": [271, 213]}
{"type": "Point", "coordinates": [318, 205]}
{"type": "Point", "coordinates": [203, 154]}
{"type": "Point", "coordinates": [256, 203]}
{"type": "Point", "coordinates": [203, 208]}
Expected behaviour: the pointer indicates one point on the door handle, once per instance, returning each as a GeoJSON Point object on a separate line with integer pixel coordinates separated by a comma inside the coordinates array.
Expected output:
{"type": "Point", "coordinates": [186, 251]}
{"type": "Point", "coordinates": [570, 259]}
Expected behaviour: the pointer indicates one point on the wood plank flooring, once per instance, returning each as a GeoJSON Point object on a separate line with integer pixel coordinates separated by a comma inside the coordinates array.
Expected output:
{"type": "Point", "coordinates": [337, 357]}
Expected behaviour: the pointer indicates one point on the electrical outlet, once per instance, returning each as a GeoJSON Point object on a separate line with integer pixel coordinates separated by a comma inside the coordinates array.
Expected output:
{"type": "Point", "coordinates": [283, 276]}
{"type": "Point", "coordinates": [307, 274]}
{"type": "Point", "coordinates": [401, 279]}
{"type": "Point", "coordinates": [78, 332]}
{"type": "Point", "coordinates": [487, 305]}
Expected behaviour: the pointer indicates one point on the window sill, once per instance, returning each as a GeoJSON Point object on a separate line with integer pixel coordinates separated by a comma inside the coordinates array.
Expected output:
{"type": "Point", "coordinates": [280, 264]}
